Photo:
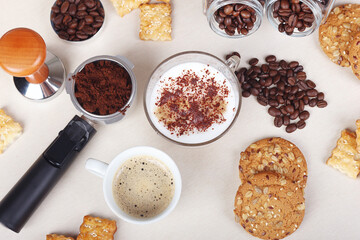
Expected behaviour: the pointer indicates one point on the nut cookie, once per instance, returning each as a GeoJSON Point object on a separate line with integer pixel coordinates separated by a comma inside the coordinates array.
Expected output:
{"type": "Point", "coordinates": [275, 155]}
{"type": "Point", "coordinates": [336, 34]}
{"type": "Point", "coordinates": [269, 206]}
{"type": "Point", "coordinates": [354, 55]}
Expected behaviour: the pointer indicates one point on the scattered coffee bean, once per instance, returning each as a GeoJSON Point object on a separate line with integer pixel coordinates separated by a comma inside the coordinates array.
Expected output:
{"type": "Point", "coordinates": [283, 86]}
{"type": "Point", "coordinates": [291, 128]}
{"type": "Point", "coordinates": [292, 15]}
{"type": "Point", "coordinates": [278, 121]}
{"type": "Point", "coordinates": [77, 20]}
{"type": "Point", "coordinates": [234, 18]}
{"type": "Point", "coordinates": [301, 124]}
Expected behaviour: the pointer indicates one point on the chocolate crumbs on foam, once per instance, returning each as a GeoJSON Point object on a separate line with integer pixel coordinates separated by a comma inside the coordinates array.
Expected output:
{"type": "Point", "coordinates": [191, 103]}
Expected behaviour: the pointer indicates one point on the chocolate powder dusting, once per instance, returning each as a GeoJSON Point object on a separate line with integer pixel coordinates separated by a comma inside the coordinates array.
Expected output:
{"type": "Point", "coordinates": [103, 87]}
{"type": "Point", "coordinates": [190, 103]}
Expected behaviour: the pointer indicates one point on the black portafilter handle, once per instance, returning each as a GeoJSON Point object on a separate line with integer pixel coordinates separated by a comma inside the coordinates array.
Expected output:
{"type": "Point", "coordinates": [24, 198]}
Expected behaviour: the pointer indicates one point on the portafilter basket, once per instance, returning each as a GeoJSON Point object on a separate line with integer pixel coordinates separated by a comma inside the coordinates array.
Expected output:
{"type": "Point", "coordinates": [105, 119]}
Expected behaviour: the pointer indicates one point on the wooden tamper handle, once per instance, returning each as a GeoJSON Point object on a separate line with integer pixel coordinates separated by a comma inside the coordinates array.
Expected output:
{"type": "Point", "coordinates": [23, 53]}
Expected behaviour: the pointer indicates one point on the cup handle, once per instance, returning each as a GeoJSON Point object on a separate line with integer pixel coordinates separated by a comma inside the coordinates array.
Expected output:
{"type": "Point", "coordinates": [96, 167]}
{"type": "Point", "coordinates": [233, 62]}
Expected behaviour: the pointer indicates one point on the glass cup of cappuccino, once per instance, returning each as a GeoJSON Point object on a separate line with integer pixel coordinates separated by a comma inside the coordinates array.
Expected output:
{"type": "Point", "coordinates": [141, 185]}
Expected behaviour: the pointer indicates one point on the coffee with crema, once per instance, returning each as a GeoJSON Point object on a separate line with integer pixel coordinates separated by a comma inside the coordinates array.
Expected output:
{"type": "Point", "coordinates": [143, 187]}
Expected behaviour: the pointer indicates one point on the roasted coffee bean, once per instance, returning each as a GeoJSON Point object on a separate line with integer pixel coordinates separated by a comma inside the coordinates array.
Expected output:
{"type": "Point", "coordinates": [273, 103]}
{"type": "Point", "coordinates": [289, 109]}
{"type": "Point", "coordinates": [246, 94]}
{"type": "Point", "coordinates": [301, 76]}
{"type": "Point", "coordinates": [253, 61]}
{"type": "Point", "coordinates": [278, 121]}
{"type": "Point", "coordinates": [88, 30]}
{"type": "Point", "coordinates": [64, 7]}
{"type": "Point", "coordinates": [67, 19]}
{"type": "Point", "coordinates": [293, 64]}
{"type": "Point", "coordinates": [321, 104]}
{"type": "Point", "coordinates": [274, 112]}
{"type": "Point", "coordinates": [291, 128]}
{"type": "Point", "coordinates": [306, 100]}
{"type": "Point", "coordinates": [320, 96]}
{"type": "Point", "coordinates": [294, 90]}
{"type": "Point", "coordinates": [304, 115]}
{"type": "Point", "coordinates": [63, 35]}
{"type": "Point", "coordinates": [294, 115]}
{"type": "Point", "coordinates": [283, 110]}
{"type": "Point", "coordinates": [72, 9]}
{"type": "Point", "coordinates": [81, 7]}
{"type": "Point", "coordinates": [95, 13]}
{"type": "Point", "coordinates": [300, 94]}
{"type": "Point", "coordinates": [89, 19]}
{"type": "Point", "coordinates": [81, 35]}
{"type": "Point", "coordinates": [55, 9]}
{"type": "Point", "coordinates": [286, 120]}
{"type": "Point", "coordinates": [58, 19]}
{"type": "Point", "coordinates": [81, 24]}
{"type": "Point", "coordinates": [301, 105]}
{"type": "Point", "coordinates": [310, 84]}
{"type": "Point", "coordinates": [301, 124]}
{"type": "Point", "coordinates": [90, 3]}
{"type": "Point", "coordinates": [296, 104]}
{"type": "Point", "coordinates": [291, 81]}
{"type": "Point", "coordinates": [71, 31]}
{"type": "Point", "coordinates": [262, 100]}
{"type": "Point", "coordinates": [270, 59]}
{"type": "Point", "coordinates": [302, 85]}
{"type": "Point", "coordinates": [313, 102]}
{"type": "Point", "coordinates": [298, 69]}
{"type": "Point", "coordinates": [312, 92]}
{"type": "Point", "coordinates": [254, 91]}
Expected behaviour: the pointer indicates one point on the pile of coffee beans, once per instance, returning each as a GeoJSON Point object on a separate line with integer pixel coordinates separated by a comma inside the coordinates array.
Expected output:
{"type": "Point", "coordinates": [77, 20]}
{"type": "Point", "coordinates": [284, 87]}
{"type": "Point", "coordinates": [292, 15]}
{"type": "Point", "coordinates": [235, 17]}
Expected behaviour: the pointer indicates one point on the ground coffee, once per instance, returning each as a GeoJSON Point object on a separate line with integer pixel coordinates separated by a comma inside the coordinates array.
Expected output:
{"type": "Point", "coordinates": [103, 87]}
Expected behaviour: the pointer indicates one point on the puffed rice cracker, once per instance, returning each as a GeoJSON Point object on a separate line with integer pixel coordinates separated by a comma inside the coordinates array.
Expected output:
{"type": "Point", "coordinates": [344, 155]}
{"type": "Point", "coordinates": [155, 22]}
{"type": "Point", "coordinates": [124, 7]}
{"type": "Point", "coordinates": [9, 130]}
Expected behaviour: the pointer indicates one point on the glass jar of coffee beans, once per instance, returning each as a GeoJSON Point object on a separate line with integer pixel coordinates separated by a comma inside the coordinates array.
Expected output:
{"type": "Point", "coordinates": [297, 18]}
{"type": "Point", "coordinates": [234, 18]}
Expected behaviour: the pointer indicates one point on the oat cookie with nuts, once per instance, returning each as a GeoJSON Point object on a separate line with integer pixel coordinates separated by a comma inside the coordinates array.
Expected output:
{"type": "Point", "coordinates": [95, 228]}
{"type": "Point", "coordinates": [155, 22]}
{"type": "Point", "coordinates": [269, 206]}
{"type": "Point", "coordinates": [354, 56]}
{"type": "Point", "coordinates": [336, 34]}
{"type": "Point", "coordinates": [345, 157]}
{"type": "Point", "coordinates": [275, 155]}
{"type": "Point", "coordinates": [57, 237]}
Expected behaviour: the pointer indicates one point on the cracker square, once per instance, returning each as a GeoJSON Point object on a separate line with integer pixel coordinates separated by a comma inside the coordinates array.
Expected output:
{"type": "Point", "coordinates": [57, 237]}
{"type": "Point", "coordinates": [344, 155]}
{"type": "Point", "coordinates": [9, 130]}
{"type": "Point", "coordinates": [95, 228]}
{"type": "Point", "coordinates": [155, 22]}
{"type": "Point", "coordinates": [124, 7]}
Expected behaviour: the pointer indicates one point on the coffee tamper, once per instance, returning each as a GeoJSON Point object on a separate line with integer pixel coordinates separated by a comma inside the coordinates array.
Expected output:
{"type": "Point", "coordinates": [23, 199]}
{"type": "Point", "coordinates": [38, 74]}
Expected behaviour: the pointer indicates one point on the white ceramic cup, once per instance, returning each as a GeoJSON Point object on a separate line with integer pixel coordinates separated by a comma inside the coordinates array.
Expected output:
{"type": "Point", "coordinates": [108, 171]}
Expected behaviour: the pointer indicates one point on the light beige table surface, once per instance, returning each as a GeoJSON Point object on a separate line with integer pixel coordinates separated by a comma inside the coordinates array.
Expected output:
{"type": "Point", "coordinates": [210, 173]}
